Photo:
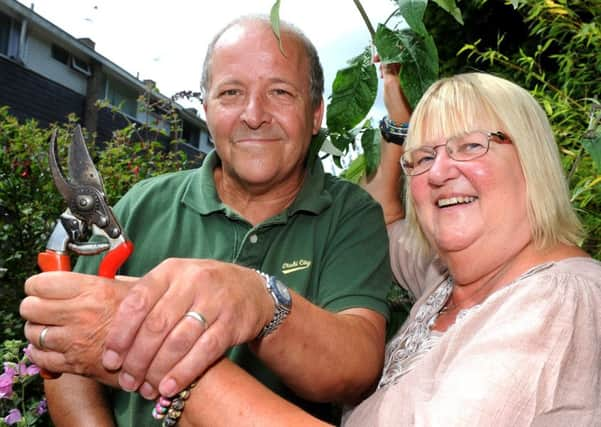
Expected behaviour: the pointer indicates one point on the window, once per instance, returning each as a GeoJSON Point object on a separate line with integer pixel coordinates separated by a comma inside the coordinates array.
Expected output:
{"type": "Point", "coordinates": [9, 36]}
{"type": "Point", "coordinates": [81, 66]}
{"type": "Point", "coordinates": [60, 54]}
{"type": "Point", "coordinates": [63, 56]}
{"type": "Point", "coordinates": [122, 97]}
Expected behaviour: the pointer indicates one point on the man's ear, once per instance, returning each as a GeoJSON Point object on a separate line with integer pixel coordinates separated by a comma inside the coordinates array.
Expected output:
{"type": "Point", "coordinates": [318, 117]}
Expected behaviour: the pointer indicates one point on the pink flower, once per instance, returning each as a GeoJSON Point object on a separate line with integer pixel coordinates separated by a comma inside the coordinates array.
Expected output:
{"type": "Point", "coordinates": [27, 350]}
{"type": "Point", "coordinates": [32, 370]}
{"type": "Point", "coordinates": [28, 370]}
{"type": "Point", "coordinates": [6, 384]}
{"type": "Point", "coordinates": [10, 369]}
{"type": "Point", "coordinates": [42, 407]}
{"type": "Point", "coordinates": [14, 416]}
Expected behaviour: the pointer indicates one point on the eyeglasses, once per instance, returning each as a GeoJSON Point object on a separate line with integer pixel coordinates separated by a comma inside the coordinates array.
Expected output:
{"type": "Point", "coordinates": [460, 148]}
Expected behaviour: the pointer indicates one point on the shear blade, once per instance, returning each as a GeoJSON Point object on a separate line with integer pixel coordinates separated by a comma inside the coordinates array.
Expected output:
{"type": "Point", "coordinates": [81, 167]}
{"type": "Point", "coordinates": [62, 185]}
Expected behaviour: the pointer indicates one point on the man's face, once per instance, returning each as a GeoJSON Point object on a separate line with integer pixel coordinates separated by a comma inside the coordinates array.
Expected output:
{"type": "Point", "coordinates": [258, 107]}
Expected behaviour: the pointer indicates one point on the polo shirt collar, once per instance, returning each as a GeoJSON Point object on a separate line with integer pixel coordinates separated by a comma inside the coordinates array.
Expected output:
{"type": "Point", "coordinates": [201, 192]}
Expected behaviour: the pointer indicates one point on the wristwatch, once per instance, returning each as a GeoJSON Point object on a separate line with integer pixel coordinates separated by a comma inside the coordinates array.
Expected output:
{"type": "Point", "coordinates": [283, 303]}
{"type": "Point", "coordinates": [392, 132]}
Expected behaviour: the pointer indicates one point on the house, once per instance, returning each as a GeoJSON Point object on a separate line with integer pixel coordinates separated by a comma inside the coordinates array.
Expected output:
{"type": "Point", "coordinates": [45, 74]}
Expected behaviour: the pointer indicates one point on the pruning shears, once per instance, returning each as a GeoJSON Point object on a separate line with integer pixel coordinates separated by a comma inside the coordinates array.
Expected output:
{"type": "Point", "coordinates": [88, 214]}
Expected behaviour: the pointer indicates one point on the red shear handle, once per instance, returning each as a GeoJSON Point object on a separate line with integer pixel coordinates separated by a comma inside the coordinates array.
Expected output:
{"type": "Point", "coordinates": [53, 261]}
{"type": "Point", "coordinates": [114, 259]}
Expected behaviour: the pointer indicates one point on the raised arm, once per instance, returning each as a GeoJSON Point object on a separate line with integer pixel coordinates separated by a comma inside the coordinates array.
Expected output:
{"type": "Point", "coordinates": [385, 184]}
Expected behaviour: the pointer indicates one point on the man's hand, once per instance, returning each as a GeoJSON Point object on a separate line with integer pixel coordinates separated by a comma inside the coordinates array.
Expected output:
{"type": "Point", "coordinates": [156, 345]}
{"type": "Point", "coordinates": [77, 310]}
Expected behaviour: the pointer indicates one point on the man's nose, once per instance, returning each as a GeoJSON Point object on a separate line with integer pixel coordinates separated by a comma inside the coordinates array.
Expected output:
{"type": "Point", "coordinates": [256, 111]}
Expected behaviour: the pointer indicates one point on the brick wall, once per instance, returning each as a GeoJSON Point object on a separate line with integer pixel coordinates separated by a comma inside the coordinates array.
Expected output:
{"type": "Point", "coordinates": [30, 95]}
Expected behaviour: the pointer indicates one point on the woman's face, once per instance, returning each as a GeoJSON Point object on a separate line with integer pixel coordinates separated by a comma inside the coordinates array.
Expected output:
{"type": "Point", "coordinates": [477, 205]}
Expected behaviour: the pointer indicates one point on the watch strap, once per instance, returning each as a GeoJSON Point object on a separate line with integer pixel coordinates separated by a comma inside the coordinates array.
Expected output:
{"type": "Point", "coordinates": [393, 132]}
{"type": "Point", "coordinates": [281, 310]}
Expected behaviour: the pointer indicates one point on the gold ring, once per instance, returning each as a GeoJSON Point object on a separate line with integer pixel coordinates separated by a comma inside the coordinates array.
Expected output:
{"type": "Point", "coordinates": [42, 338]}
{"type": "Point", "coordinates": [197, 316]}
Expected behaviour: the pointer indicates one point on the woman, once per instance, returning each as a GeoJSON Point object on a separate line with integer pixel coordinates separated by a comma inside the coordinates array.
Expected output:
{"type": "Point", "coordinates": [508, 330]}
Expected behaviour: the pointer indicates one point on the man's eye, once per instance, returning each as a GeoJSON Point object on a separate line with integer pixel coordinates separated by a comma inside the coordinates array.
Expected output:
{"type": "Point", "coordinates": [229, 92]}
{"type": "Point", "coordinates": [281, 92]}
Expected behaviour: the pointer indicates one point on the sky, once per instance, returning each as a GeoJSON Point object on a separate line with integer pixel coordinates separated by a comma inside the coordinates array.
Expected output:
{"type": "Point", "coordinates": [166, 41]}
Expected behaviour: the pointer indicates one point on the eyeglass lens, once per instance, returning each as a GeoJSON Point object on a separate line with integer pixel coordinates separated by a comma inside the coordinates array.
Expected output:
{"type": "Point", "coordinates": [460, 148]}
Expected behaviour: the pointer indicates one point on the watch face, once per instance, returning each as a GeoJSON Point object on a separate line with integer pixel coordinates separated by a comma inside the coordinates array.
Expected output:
{"type": "Point", "coordinates": [283, 294]}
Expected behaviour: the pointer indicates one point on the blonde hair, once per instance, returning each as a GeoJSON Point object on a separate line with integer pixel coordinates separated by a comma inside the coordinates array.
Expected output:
{"type": "Point", "coordinates": [448, 108]}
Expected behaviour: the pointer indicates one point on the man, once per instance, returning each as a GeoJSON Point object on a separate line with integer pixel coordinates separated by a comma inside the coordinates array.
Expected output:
{"type": "Point", "coordinates": [257, 203]}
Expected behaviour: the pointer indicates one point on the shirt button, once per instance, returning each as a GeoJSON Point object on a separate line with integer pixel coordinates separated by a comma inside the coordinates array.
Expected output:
{"type": "Point", "coordinates": [253, 238]}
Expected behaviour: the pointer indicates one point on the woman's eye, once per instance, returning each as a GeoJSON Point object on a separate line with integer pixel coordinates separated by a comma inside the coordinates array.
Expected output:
{"type": "Point", "coordinates": [421, 158]}
{"type": "Point", "coordinates": [469, 147]}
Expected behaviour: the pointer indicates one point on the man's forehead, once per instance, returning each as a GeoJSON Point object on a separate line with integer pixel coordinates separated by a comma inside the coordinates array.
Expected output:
{"type": "Point", "coordinates": [243, 30]}
{"type": "Point", "coordinates": [232, 35]}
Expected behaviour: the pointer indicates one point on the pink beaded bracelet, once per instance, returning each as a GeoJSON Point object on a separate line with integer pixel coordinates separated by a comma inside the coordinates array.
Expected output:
{"type": "Point", "coordinates": [170, 409]}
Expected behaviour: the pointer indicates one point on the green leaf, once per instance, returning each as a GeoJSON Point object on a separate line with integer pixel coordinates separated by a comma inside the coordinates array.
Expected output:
{"type": "Point", "coordinates": [316, 143]}
{"type": "Point", "coordinates": [417, 55]}
{"type": "Point", "coordinates": [274, 16]}
{"type": "Point", "coordinates": [413, 13]}
{"type": "Point", "coordinates": [453, 10]}
{"type": "Point", "coordinates": [515, 3]}
{"type": "Point", "coordinates": [370, 142]}
{"type": "Point", "coordinates": [592, 145]}
{"type": "Point", "coordinates": [337, 161]}
{"type": "Point", "coordinates": [342, 140]}
{"type": "Point", "coordinates": [353, 93]}
{"type": "Point", "coordinates": [355, 170]}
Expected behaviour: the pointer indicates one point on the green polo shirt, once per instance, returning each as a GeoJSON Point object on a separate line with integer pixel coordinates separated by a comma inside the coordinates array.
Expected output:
{"type": "Point", "coordinates": [330, 246]}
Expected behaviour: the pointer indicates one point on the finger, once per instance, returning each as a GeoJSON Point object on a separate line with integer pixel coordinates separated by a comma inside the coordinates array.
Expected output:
{"type": "Point", "coordinates": [55, 338]}
{"type": "Point", "coordinates": [50, 360]}
{"type": "Point", "coordinates": [165, 336]}
{"type": "Point", "coordinates": [187, 281]}
{"type": "Point", "coordinates": [33, 333]}
{"type": "Point", "coordinates": [130, 314]}
{"type": "Point", "coordinates": [206, 351]}
{"type": "Point", "coordinates": [45, 311]}
{"type": "Point", "coordinates": [60, 284]}
{"type": "Point", "coordinates": [179, 342]}
{"type": "Point", "coordinates": [161, 319]}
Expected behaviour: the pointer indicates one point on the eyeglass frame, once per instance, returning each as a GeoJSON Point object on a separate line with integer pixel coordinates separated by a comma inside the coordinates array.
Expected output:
{"type": "Point", "coordinates": [502, 139]}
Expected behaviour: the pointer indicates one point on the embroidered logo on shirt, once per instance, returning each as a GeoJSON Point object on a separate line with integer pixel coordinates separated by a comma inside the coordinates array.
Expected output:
{"type": "Point", "coordinates": [291, 267]}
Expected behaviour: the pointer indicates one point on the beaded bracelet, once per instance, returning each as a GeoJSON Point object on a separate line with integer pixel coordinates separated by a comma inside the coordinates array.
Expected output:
{"type": "Point", "coordinates": [170, 409]}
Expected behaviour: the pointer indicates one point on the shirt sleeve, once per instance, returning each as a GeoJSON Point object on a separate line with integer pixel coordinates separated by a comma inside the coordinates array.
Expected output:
{"type": "Point", "coordinates": [356, 265]}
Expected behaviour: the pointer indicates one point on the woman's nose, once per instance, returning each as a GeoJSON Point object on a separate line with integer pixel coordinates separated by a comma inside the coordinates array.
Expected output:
{"type": "Point", "coordinates": [443, 167]}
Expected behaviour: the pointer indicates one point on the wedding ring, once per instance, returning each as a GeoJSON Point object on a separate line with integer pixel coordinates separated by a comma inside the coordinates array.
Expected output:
{"type": "Point", "coordinates": [42, 338]}
{"type": "Point", "coordinates": [197, 316]}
